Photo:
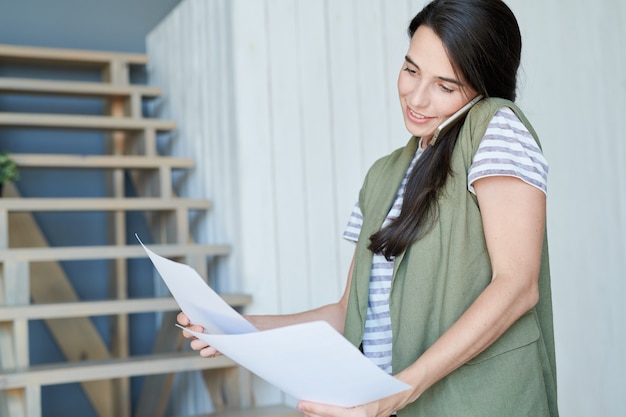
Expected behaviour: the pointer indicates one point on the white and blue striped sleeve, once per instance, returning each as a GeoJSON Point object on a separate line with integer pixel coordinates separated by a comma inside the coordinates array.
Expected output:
{"type": "Point", "coordinates": [353, 229]}
{"type": "Point", "coordinates": [508, 149]}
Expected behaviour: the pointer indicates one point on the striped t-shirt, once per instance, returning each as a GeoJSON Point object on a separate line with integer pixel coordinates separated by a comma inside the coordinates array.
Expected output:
{"type": "Point", "coordinates": [506, 149]}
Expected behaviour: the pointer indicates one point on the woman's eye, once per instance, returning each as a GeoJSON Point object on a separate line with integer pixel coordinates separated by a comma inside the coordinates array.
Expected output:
{"type": "Point", "coordinates": [446, 89]}
{"type": "Point", "coordinates": [409, 70]}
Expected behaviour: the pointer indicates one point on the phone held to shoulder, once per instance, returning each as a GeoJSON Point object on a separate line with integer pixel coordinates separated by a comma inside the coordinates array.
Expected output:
{"type": "Point", "coordinates": [450, 120]}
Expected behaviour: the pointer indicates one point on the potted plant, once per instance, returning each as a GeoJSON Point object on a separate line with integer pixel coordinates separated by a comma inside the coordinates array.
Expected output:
{"type": "Point", "coordinates": [8, 170]}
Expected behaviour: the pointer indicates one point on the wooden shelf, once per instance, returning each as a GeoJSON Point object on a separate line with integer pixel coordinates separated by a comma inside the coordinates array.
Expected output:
{"type": "Point", "coordinates": [64, 121]}
{"type": "Point", "coordinates": [104, 308]}
{"type": "Point", "coordinates": [76, 253]}
{"type": "Point", "coordinates": [68, 372]}
{"type": "Point", "coordinates": [100, 161]}
{"type": "Point", "coordinates": [75, 88]}
{"type": "Point", "coordinates": [102, 204]}
{"type": "Point", "coordinates": [67, 56]}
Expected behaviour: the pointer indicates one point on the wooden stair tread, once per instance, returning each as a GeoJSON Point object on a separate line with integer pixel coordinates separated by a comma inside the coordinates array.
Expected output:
{"type": "Point", "coordinates": [32, 204]}
{"type": "Point", "coordinates": [99, 161]}
{"type": "Point", "coordinates": [67, 372]}
{"type": "Point", "coordinates": [74, 88]}
{"type": "Point", "coordinates": [103, 308]}
{"type": "Point", "coordinates": [266, 411]}
{"type": "Point", "coordinates": [75, 253]}
{"type": "Point", "coordinates": [66, 121]}
{"type": "Point", "coordinates": [68, 56]}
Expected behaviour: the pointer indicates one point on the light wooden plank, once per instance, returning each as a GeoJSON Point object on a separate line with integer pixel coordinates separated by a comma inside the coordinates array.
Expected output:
{"type": "Point", "coordinates": [165, 182]}
{"type": "Point", "coordinates": [75, 88]}
{"type": "Point", "coordinates": [288, 170]}
{"type": "Point", "coordinates": [118, 279]}
{"type": "Point", "coordinates": [347, 128]}
{"type": "Point", "coordinates": [98, 161]}
{"type": "Point", "coordinates": [322, 227]}
{"type": "Point", "coordinates": [16, 289]}
{"type": "Point", "coordinates": [33, 401]}
{"type": "Point", "coordinates": [69, 253]}
{"type": "Point", "coordinates": [7, 359]}
{"type": "Point", "coordinates": [4, 228]}
{"type": "Point", "coordinates": [65, 121]}
{"type": "Point", "coordinates": [103, 308]}
{"type": "Point", "coordinates": [116, 72]}
{"type": "Point", "coordinates": [254, 136]}
{"type": "Point", "coordinates": [150, 141]}
{"type": "Point", "coordinates": [68, 372]}
{"type": "Point", "coordinates": [102, 204]}
{"type": "Point", "coordinates": [252, 114]}
{"type": "Point", "coordinates": [69, 56]}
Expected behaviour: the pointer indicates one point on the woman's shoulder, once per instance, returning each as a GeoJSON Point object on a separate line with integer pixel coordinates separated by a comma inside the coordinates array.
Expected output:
{"type": "Point", "coordinates": [398, 156]}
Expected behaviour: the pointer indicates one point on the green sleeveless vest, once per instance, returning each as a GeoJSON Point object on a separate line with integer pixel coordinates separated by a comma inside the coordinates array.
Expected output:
{"type": "Point", "coordinates": [437, 278]}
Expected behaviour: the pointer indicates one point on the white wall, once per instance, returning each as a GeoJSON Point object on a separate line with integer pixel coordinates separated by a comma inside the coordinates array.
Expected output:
{"type": "Point", "coordinates": [313, 103]}
{"type": "Point", "coordinates": [574, 91]}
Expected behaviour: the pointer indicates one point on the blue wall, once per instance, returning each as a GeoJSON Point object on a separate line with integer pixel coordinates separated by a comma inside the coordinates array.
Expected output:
{"type": "Point", "coordinates": [109, 25]}
{"type": "Point", "coordinates": [117, 25]}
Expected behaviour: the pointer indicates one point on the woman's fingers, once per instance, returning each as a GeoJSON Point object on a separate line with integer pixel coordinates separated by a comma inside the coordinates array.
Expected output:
{"type": "Point", "coordinates": [206, 351]}
{"type": "Point", "coordinates": [195, 328]}
{"type": "Point", "coordinates": [182, 319]}
{"type": "Point", "coordinates": [209, 352]}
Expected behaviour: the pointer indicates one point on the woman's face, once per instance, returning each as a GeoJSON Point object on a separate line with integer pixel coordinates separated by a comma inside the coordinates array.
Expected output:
{"type": "Point", "coordinates": [429, 90]}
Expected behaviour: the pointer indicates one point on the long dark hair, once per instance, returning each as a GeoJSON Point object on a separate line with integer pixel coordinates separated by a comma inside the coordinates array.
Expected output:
{"type": "Point", "coordinates": [484, 44]}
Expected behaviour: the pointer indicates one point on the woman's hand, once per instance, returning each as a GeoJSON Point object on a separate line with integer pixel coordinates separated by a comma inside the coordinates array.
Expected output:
{"type": "Point", "coordinates": [311, 409]}
{"type": "Point", "coordinates": [380, 408]}
{"type": "Point", "coordinates": [196, 344]}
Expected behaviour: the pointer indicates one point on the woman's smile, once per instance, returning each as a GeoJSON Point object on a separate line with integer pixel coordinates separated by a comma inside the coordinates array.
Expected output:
{"type": "Point", "coordinates": [418, 117]}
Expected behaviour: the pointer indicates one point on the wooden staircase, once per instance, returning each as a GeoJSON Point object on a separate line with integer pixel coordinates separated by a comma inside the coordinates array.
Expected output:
{"type": "Point", "coordinates": [34, 286]}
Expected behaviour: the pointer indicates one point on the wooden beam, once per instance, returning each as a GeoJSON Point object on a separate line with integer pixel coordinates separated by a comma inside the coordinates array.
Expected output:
{"type": "Point", "coordinates": [109, 369]}
{"type": "Point", "coordinates": [102, 204]}
{"type": "Point", "coordinates": [77, 253]}
{"type": "Point", "coordinates": [65, 121]}
{"type": "Point", "coordinates": [68, 56]}
{"type": "Point", "coordinates": [75, 88]}
{"type": "Point", "coordinates": [97, 161]}
{"type": "Point", "coordinates": [104, 308]}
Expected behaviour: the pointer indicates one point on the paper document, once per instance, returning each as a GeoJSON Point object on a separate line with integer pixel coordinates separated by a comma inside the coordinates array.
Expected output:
{"type": "Point", "coordinates": [309, 361]}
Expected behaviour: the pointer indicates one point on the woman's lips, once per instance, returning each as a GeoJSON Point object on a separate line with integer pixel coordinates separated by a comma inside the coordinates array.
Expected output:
{"type": "Point", "coordinates": [417, 118]}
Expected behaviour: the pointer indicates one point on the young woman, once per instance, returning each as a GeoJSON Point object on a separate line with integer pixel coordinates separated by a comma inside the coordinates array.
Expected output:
{"type": "Point", "coordinates": [449, 288]}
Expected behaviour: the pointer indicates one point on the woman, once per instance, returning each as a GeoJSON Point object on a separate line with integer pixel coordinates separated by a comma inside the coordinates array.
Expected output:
{"type": "Point", "coordinates": [449, 285]}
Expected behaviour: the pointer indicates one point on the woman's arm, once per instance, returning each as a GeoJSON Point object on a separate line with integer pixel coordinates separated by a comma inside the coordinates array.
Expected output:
{"type": "Point", "coordinates": [513, 215]}
{"type": "Point", "coordinates": [334, 314]}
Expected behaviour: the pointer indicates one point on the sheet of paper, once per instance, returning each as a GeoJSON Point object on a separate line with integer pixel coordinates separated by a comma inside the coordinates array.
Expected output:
{"type": "Point", "coordinates": [196, 299]}
{"type": "Point", "coordinates": [309, 361]}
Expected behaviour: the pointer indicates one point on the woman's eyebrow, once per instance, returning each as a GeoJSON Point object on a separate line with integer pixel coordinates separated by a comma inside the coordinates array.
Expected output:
{"type": "Point", "coordinates": [446, 79]}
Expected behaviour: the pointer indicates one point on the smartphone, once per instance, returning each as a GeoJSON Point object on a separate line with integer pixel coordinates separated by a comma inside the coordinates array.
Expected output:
{"type": "Point", "coordinates": [448, 122]}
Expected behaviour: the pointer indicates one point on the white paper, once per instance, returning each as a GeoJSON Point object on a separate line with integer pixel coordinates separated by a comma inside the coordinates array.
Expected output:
{"type": "Point", "coordinates": [196, 299]}
{"type": "Point", "coordinates": [309, 361]}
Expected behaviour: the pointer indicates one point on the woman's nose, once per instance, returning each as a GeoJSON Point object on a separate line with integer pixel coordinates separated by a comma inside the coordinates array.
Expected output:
{"type": "Point", "coordinates": [418, 96]}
